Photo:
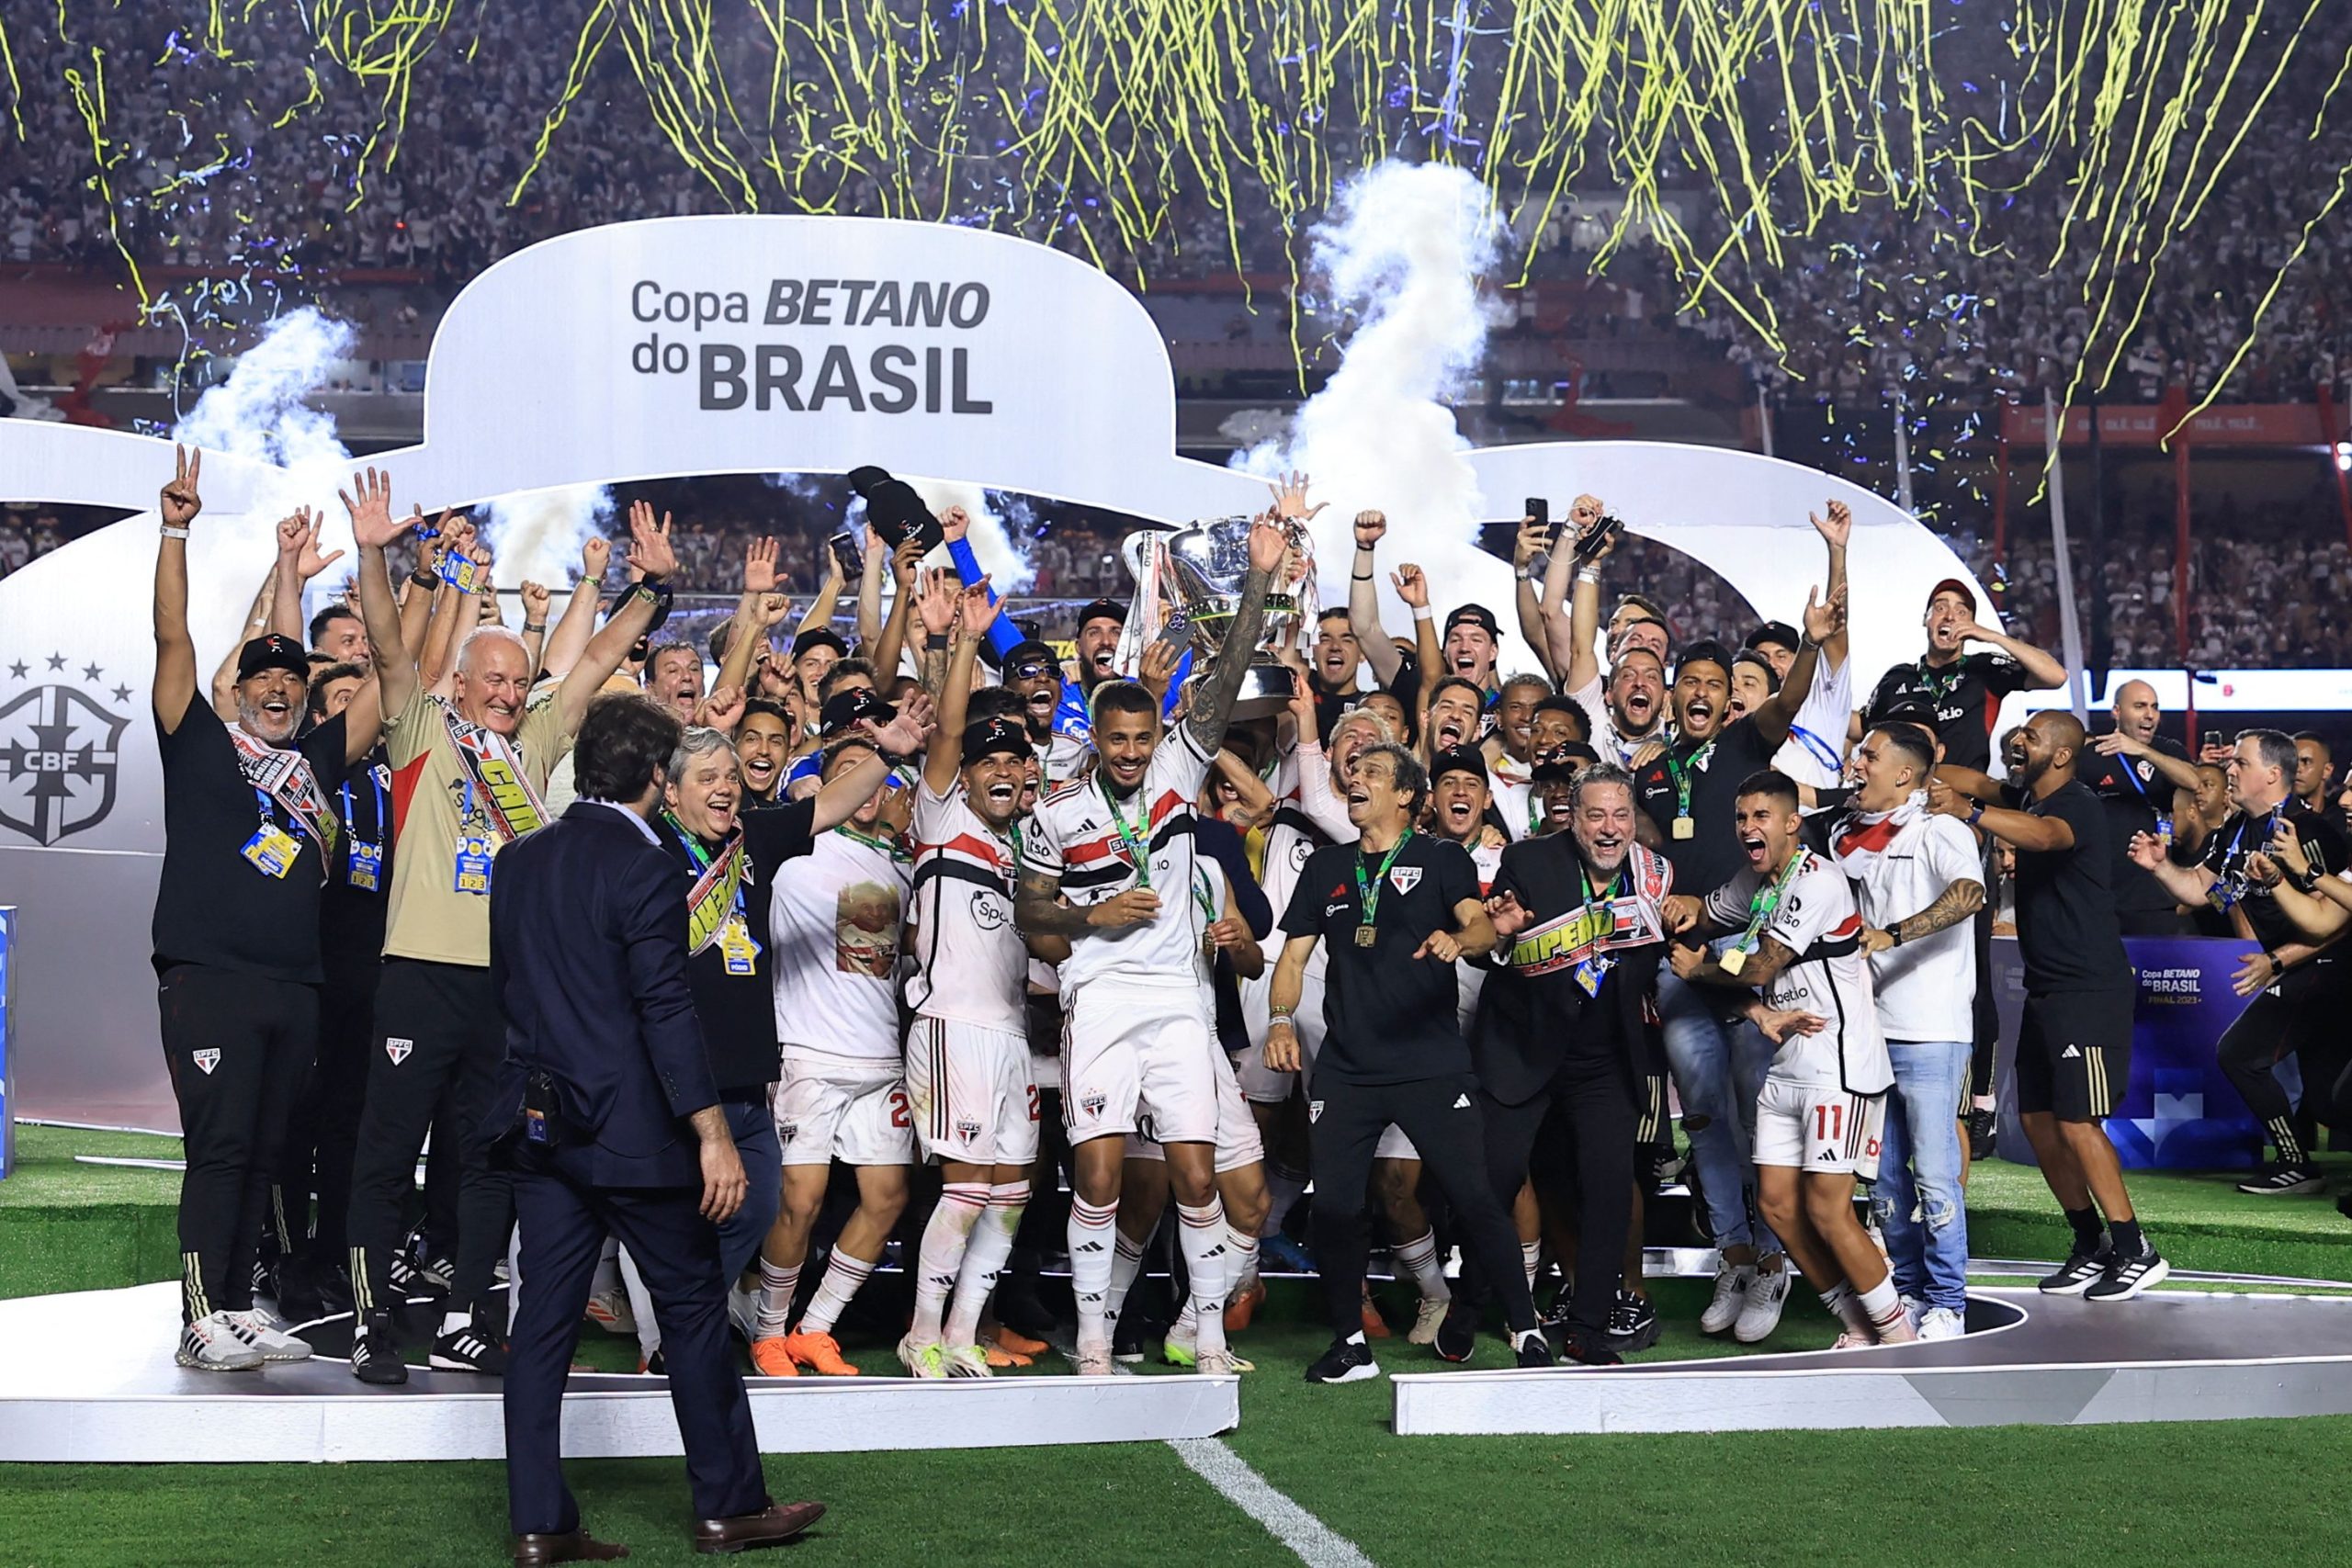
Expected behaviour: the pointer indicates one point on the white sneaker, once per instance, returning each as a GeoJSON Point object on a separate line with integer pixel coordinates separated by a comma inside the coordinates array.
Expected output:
{"type": "Point", "coordinates": [1426, 1317]}
{"type": "Point", "coordinates": [1849, 1340]}
{"type": "Point", "coordinates": [266, 1332]}
{"type": "Point", "coordinates": [609, 1310]}
{"type": "Point", "coordinates": [211, 1344]}
{"type": "Point", "coordinates": [966, 1361]}
{"type": "Point", "coordinates": [1941, 1323]}
{"type": "Point", "coordinates": [1219, 1364]}
{"type": "Point", "coordinates": [1760, 1314]}
{"type": "Point", "coordinates": [922, 1361]}
{"type": "Point", "coordinates": [1093, 1360]}
{"type": "Point", "coordinates": [743, 1311]}
{"type": "Point", "coordinates": [1732, 1280]}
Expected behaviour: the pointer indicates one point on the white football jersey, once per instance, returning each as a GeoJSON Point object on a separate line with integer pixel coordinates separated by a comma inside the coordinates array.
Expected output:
{"type": "Point", "coordinates": [970, 964]}
{"type": "Point", "coordinates": [1817, 920]}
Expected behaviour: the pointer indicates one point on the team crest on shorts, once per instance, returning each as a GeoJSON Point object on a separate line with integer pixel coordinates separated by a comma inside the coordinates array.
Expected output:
{"type": "Point", "coordinates": [968, 1128]}
{"type": "Point", "coordinates": [1404, 878]}
{"type": "Point", "coordinates": [1092, 1103]}
{"type": "Point", "coordinates": [786, 1130]}
{"type": "Point", "coordinates": [1314, 1110]}
{"type": "Point", "coordinates": [398, 1049]}
{"type": "Point", "coordinates": [204, 1060]}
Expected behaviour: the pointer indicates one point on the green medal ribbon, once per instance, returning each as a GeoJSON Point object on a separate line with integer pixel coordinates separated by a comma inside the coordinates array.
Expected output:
{"type": "Point", "coordinates": [1767, 899]}
{"type": "Point", "coordinates": [1368, 893]}
{"type": "Point", "coordinates": [1682, 779]}
{"type": "Point", "coordinates": [1138, 850]}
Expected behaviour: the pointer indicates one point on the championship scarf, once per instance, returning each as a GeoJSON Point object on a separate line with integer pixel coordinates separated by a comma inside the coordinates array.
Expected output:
{"type": "Point", "coordinates": [1859, 839]}
{"type": "Point", "coordinates": [286, 777]}
{"type": "Point", "coordinates": [495, 767]}
{"type": "Point", "coordinates": [712, 897]}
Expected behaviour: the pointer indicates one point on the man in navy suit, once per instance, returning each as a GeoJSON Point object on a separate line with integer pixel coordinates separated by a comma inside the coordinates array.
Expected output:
{"type": "Point", "coordinates": [611, 1122]}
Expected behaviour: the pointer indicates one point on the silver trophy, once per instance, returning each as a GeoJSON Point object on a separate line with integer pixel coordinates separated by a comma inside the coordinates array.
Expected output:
{"type": "Point", "coordinates": [1188, 586]}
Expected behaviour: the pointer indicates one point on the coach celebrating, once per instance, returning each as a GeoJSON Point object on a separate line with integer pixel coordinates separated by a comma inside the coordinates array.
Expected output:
{"type": "Point", "coordinates": [610, 1120]}
{"type": "Point", "coordinates": [1399, 908]}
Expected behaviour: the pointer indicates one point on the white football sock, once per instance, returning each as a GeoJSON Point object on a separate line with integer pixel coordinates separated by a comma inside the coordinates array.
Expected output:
{"type": "Point", "coordinates": [944, 1238]}
{"type": "Point", "coordinates": [1420, 1260]}
{"type": "Point", "coordinates": [1531, 1256]}
{"type": "Point", "coordinates": [1881, 1305]}
{"type": "Point", "coordinates": [778, 1285]}
{"type": "Point", "coordinates": [984, 1256]}
{"type": "Point", "coordinates": [640, 1305]}
{"type": "Point", "coordinates": [1201, 1234]}
{"type": "Point", "coordinates": [843, 1275]}
{"type": "Point", "coordinates": [1846, 1306]}
{"type": "Point", "coordinates": [1091, 1244]}
{"type": "Point", "coordinates": [1126, 1262]}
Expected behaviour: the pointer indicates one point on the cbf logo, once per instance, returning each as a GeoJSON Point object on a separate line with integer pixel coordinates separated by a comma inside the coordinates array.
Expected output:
{"type": "Point", "coordinates": [59, 751]}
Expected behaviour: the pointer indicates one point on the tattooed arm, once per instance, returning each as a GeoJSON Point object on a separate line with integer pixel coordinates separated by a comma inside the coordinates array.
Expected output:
{"type": "Point", "coordinates": [1699, 966]}
{"type": "Point", "coordinates": [1212, 703]}
{"type": "Point", "coordinates": [1038, 911]}
{"type": "Point", "coordinates": [1955, 903]}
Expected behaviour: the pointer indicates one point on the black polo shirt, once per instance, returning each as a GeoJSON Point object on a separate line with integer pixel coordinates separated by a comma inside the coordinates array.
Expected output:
{"type": "Point", "coordinates": [1711, 856]}
{"type": "Point", "coordinates": [2135, 794]}
{"type": "Point", "coordinates": [738, 1012]}
{"type": "Point", "coordinates": [2227, 847]}
{"type": "Point", "coordinates": [214, 906]}
{"type": "Point", "coordinates": [359, 879]}
{"type": "Point", "coordinates": [1966, 697]}
{"type": "Point", "coordinates": [1389, 1016]}
{"type": "Point", "coordinates": [2068, 931]}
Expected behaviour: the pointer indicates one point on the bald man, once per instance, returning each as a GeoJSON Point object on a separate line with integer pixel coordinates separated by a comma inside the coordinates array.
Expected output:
{"type": "Point", "coordinates": [2149, 786]}
{"type": "Point", "coordinates": [2075, 1045]}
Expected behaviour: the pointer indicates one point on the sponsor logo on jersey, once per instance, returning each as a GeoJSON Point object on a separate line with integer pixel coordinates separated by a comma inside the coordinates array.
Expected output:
{"type": "Point", "coordinates": [398, 1049]}
{"type": "Point", "coordinates": [204, 1060]}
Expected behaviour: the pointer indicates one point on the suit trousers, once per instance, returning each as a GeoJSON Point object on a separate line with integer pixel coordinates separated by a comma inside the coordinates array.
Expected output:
{"type": "Point", "coordinates": [563, 1222]}
{"type": "Point", "coordinates": [1592, 1106]}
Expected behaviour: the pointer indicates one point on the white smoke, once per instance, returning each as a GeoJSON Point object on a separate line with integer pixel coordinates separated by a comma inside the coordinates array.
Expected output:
{"type": "Point", "coordinates": [536, 535]}
{"type": "Point", "coordinates": [999, 553]}
{"type": "Point", "coordinates": [1404, 252]}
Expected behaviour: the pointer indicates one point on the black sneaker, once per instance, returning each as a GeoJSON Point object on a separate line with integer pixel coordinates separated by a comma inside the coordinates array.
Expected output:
{"type": "Point", "coordinates": [1348, 1360]}
{"type": "Point", "coordinates": [469, 1348]}
{"type": "Point", "coordinates": [437, 1273]}
{"type": "Point", "coordinates": [2280, 1180]}
{"type": "Point", "coordinates": [2126, 1278]}
{"type": "Point", "coordinates": [1534, 1350]}
{"type": "Point", "coordinates": [2080, 1271]}
{"type": "Point", "coordinates": [409, 1284]}
{"type": "Point", "coordinates": [265, 1279]}
{"type": "Point", "coordinates": [376, 1352]}
{"type": "Point", "coordinates": [1457, 1336]}
{"type": "Point", "coordinates": [1588, 1349]}
{"type": "Point", "coordinates": [1980, 1134]}
{"type": "Point", "coordinates": [1126, 1338]}
{"type": "Point", "coordinates": [1633, 1324]}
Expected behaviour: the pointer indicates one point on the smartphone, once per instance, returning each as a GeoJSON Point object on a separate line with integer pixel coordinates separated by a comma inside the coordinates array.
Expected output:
{"type": "Point", "coordinates": [1541, 510]}
{"type": "Point", "coordinates": [2212, 738]}
{"type": "Point", "coordinates": [845, 550]}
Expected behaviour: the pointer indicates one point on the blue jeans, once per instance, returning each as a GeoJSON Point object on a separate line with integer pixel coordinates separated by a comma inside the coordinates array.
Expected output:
{"type": "Point", "coordinates": [755, 1141]}
{"type": "Point", "coordinates": [1918, 1200]}
{"type": "Point", "coordinates": [1718, 1069]}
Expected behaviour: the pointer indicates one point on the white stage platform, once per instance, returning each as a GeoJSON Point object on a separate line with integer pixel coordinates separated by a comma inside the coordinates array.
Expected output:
{"type": "Point", "coordinates": [2027, 1359]}
{"type": "Point", "coordinates": [118, 1397]}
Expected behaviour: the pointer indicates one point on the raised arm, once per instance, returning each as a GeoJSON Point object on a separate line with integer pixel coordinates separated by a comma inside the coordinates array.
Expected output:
{"type": "Point", "coordinates": [1529, 543]}
{"type": "Point", "coordinates": [946, 607]}
{"type": "Point", "coordinates": [175, 686]}
{"type": "Point", "coordinates": [828, 591]}
{"type": "Point", "coordinates": [1776, 713]}
{"type": "Point", "coordinates": [839, 798]}
{"type": "Point", "coordinates": [223, 689]}
{"type": "Point", "coordinates": [1836, 530]}
{"type": "Point", "coordinates": [1363, 601]}
{"type": "Point", "coordinates": [538, 603]}
{"type": "Point", "coordinates": [1412, 587]}
{"type": "Point", "coordinates": [1252, 799]}
{"type": "Point", "coordinates": [1572, 621]}
{"type": "Point", "coordinates": [651, 554]}
{"type": "Point", "coordinates": [748, 628]}
{"type": "Point", "coordinates": [869, 600]}
{"type": "Point", "coordinates": [578, 623]}
{"type": "Point", "coordinates": [905, 562]}
{"type": "Point", "coordinates": [2043, 670]}
{"type": "Point", "coordinates": [286, 595]}
{"type": "Point", "coordinates": [370, 503]}
{"type": "Point", "coordinates": [1213, 703]}
{"type": "Point", "coordinates": [416, 599]}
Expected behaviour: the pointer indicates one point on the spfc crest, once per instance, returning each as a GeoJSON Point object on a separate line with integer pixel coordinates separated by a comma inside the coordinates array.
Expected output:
{"type": "Point", "coordinates": [1404, 878]}
{"type": "Point", "coordinates": [59, 751]}
{"type": "Point", "coordinates": [398, 1049]}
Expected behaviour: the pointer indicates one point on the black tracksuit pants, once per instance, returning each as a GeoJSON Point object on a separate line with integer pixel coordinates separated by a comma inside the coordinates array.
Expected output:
{"type": "Point", "coordinates": [1589, 1107]}
{"type": "Point", "coordinates": [237, 1047]}
{"type": "Point", "coordinates": [325, 1132]}
{"type": "Point", "coordinates": [2303, 1018]}
{"type": "Point", "coordinates": [1442, 1117]}
{"type": "Point", "coordinates": [438, 1041]}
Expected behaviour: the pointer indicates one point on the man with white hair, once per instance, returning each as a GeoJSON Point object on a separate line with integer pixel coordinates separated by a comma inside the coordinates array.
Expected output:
{"type": "Point", "coordinates": [468, 776]}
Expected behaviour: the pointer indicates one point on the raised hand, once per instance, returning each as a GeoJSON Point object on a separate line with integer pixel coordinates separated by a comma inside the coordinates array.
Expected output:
{"type": "Point", "coordinates": [906, 561]}
{"type": "Point", "coordinates": [975, 610]}
{"type": "Point", "coordinates": [759, 566]}
{"type": "Point", "coordinates": [180, 501]}
{"type": "Point", "coordinates": [723, 709]}
{"type": "Point", "coordinates": [594, 556]}
{"type": "Point", "coordinates": [1157, 666]}
{"type": "Point", "coordinates": [1823, 621]}
{"type": "Point", "coordinates": [1268, 546]}
{"type": "Point", "coordinates": [292, 529]}
{"type": "Point", "coordinates": [1532, 539]}
{"type": "Point", "coordinates": [1585, 511]}
{"type": "Point", "coordinates": [1838, 528]}
{"type": "Point", "coordinates": [1412, 586]}
{"type": "Point", "coordinates": [904, 735]}
{"type": "Point", "coordinates": [1370, 526]}
{"type": "Point", "coordinates": [1302, 702]}
{"type": "Point", "coordinates": [308, 561]}
{"type": "Point", "coordinates": [648, 552]}
{"type": "Point", "coordinates": [535, 600]}
{"type": "Point", "coordinates": [954, 523]}
{"type": "Point", "coordinates": [371, 512]}
{"type": "Point", "coordinates": [1290, 498]}
{"type": "Point", "coordinates": [937, 601]}
{"type": "Point", "coordinates": [772, 609]}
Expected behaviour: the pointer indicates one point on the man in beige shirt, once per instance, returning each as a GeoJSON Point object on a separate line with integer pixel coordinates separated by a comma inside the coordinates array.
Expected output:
{"type": "Point", "coordinates": [468, 776]}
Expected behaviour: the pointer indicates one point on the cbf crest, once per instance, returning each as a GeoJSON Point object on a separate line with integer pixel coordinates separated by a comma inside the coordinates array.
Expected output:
{"type": "Point", "coordinates": [60, 749]}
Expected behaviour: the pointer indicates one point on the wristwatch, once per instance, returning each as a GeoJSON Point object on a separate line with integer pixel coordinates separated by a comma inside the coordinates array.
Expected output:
{"type": "Point", "coordinates": [1975, 813]}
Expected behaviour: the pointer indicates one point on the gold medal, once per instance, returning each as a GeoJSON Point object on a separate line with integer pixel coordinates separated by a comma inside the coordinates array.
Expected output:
{"type": "Point", "coordinates": [1364, 936]}
{"type": "Point", "coordinates": [1208, 946]}
{"type": "Point", "coordinates": [1733, 961]}
{"type": "Point", "coordinates": [1685, 828]}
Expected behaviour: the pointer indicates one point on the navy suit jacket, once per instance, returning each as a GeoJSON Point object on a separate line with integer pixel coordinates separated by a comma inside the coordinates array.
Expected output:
{"type": "Point", "coordinates": [588, 958]}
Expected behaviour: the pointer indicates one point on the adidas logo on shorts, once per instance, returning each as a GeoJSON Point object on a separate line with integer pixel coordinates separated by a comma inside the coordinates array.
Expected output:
{"type": "Point", "coordinates": [2070, 1055]}
{"type": "Point", "coordinates": [1461, 1103]}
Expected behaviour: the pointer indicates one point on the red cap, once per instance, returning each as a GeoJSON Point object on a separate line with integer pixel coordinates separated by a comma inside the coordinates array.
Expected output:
{"type": "Point", "coordinates": [1954, 585]}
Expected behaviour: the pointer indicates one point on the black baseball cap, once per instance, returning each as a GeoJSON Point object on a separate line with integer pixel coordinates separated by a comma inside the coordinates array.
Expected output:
{"type": "Point", "coordinates": [272, 652]}
{"type": "Point", "coordinates": [1775, 634]}
{"type": "Point", "coordinates": [819, 636]}
{"type": "Point", "coordinates": [843, 709]}
{"type": "Point", "coordinates": [1476, 616]}
{"type": "Point", "coordinates": [1028, 654]}
{"type": "Point", "coordinates": [993, 735]}
{"type": "Point", "coordinates": [1458, 760]}
{"type": "Point", "coordinates": [1706, 651]}
{"type": "Point", "coordinates": [1102, 610]}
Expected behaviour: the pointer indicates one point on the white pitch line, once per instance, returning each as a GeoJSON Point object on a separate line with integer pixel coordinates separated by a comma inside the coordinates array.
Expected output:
{"type": "Point", "coordinates": [1309, 1540]}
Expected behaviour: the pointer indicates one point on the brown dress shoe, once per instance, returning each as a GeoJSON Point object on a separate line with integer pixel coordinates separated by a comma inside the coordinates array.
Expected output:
{"type": "Point", "coordinates": [573, 1546]}
{"type": "Point", "coordinates": [772, 1524]}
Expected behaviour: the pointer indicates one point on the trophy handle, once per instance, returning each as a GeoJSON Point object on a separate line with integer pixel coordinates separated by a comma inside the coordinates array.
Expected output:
{"type": "Point", "coordinates": [1146, 553]}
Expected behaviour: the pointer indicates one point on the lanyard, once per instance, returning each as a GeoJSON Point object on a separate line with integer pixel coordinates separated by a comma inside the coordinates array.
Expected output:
{"type": "Point", "coordinates": [1138, 851]}
{"type": "Point", "coordinates": [1368, 894]}
{"type": "Point", "coordinates": [882, 845]}
{"type": "Point", "coordinates": [1767, 899]}
{"type": "Point", "coordinates": [376, 785]}
{"type": "Point", "coordinates": [1583, 878]}
{"type": "Point", "coordinates": [1941, 686]}
{"type": "Point", "coordinates": [2123, 763]}
{"type": "Point", "coordinates": [1680, 773]}
{"type": "Point", "coordinates": [261, 798]}
{"type": "Point", "coordinates": [1201, 896]}
{"type": "Point", "coordinates": [699, 855]}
